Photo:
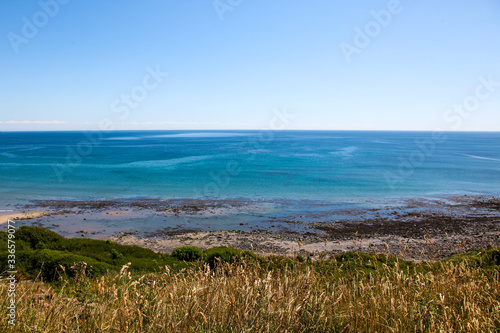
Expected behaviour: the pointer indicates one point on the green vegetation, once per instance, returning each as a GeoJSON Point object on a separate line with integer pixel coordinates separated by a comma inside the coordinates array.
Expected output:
{"type": "Point", "coordinates": [187, 253]}
{"type": "Point", "coordinates": [42, 251]}
{"type": "Point", "coordinates": [222, 254]}
{"type": "Point", "coordinates": [228, 290]}
{"type": "Point", "coordinates": [487, 260]}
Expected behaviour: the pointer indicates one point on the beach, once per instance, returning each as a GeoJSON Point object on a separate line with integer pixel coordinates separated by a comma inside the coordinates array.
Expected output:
{"type": "Point", "coordinates": [416, 228]}
{"type": "Point", "coordinates": [22, 216]}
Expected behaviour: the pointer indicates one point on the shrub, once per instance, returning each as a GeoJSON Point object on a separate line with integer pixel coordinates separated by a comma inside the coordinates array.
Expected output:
{"type": "Point", "coordinates": [488, 260]}
{"type": "Point", "coordinates": [35, 245]}
{"type": "Point", "coordinates": [225, 254]}
{"type": "Point", "coordinates": [41, 246]}
{"type": "Point", "coordinates": [187, 253]}
{"type": "Point", "coordinates": [116, 255]}
{"type": "Point", "coordinates": [49, 262]}
{"type": "Point", "coordinates": [35, 235]}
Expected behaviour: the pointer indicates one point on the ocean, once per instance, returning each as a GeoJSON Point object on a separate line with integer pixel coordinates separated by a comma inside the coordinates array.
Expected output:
{"type": "Point", "coordinates": [329, 166]}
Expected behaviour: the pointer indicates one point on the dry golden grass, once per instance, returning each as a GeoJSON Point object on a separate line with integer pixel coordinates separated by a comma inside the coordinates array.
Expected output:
{"type": "Point", "coordinates": [245, 297]}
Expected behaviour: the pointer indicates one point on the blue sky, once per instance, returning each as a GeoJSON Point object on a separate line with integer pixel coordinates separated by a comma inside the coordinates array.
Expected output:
{"type": "Point", "coordinates": [69, 65]}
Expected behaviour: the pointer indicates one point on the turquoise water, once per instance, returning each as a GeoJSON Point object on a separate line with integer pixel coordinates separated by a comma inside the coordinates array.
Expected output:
{"type": "Point", "coordinates": [316, 165]}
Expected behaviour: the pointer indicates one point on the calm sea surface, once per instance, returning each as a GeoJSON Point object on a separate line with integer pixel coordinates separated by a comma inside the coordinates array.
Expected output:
{"type": "Point", "coordinates": [315, 165]}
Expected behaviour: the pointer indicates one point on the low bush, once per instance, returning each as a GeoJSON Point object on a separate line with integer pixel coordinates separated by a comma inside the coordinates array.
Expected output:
{"type": "Point", "coordinates": [116, 255]}
{"type": "Point", "coordinates": [187, 253]}
{"type": "Point", "coordinates": [486, 259]}
{"type": "Point", "coordinates": [41, 251]}
{"type": "Point", "coordinates": [224, 254]}
{"type": "Point", "coordinates": [51, 264]}
{"type": "Point", "coordinates": [35, 235]}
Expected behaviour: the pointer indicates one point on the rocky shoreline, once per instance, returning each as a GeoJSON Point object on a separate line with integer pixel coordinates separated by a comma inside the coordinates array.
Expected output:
{"type": "Point", "coordinates": [428, 228]}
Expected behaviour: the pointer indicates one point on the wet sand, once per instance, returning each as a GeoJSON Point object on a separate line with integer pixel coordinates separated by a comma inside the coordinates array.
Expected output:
{"type": "Point", "coordinates": [424, 228]}
{"type": "Point", "coordinates": [22, 216]}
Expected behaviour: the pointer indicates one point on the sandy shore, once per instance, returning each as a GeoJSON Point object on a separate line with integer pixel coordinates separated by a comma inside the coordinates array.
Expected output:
{"type": "Point", "coordinates": [22, 216]}
{"type": "Point", "coordinates": [115, 213]}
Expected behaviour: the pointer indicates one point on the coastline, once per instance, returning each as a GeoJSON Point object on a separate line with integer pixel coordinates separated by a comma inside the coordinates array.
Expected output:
{"type": "Point", "coordinates": [23, 216]}
{"type": "Point", "coordinates": [425, 228]}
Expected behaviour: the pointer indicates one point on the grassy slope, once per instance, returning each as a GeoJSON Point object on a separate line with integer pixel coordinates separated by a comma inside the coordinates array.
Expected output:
{"type": "Point", "coordinates": [351, 292]}
{"type": "Point", "coordinates": [35, 246]}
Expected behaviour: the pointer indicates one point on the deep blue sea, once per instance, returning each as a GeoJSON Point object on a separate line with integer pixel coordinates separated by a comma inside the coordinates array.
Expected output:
{"type": "Point", "coordinates": [316, 165]}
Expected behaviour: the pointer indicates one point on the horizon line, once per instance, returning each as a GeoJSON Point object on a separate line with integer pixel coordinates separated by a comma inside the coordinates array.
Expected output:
{"type": "Point", "coordinates": [259, 130]}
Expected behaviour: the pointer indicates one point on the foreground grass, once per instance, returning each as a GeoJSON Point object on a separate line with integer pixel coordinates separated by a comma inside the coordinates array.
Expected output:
{"type": "Point", "coordinates": [451, 296]}
{"type": "Point", "coordinates": [352, 292]}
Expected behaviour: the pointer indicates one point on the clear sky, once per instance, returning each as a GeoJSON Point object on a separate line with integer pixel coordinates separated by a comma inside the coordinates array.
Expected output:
{"type": "Point", "coordinates": [333, 64]}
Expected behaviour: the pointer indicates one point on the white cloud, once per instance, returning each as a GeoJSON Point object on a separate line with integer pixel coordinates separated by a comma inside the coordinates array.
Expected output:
{"type": "Point", "coordinates": [38, 122]}
{"type": "Point", "coordinates": [169, 123]}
